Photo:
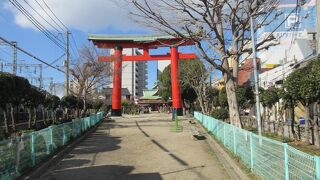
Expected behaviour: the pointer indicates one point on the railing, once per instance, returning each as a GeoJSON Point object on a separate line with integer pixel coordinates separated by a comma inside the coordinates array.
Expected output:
{"type": "Point", "coordinates": [19, 155]}
{"type": "Point", "coordinates": [265, 157]}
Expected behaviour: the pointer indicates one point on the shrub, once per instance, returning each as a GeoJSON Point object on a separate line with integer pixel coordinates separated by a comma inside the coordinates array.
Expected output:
{"type": "Point", "coordinates": [220, 113]}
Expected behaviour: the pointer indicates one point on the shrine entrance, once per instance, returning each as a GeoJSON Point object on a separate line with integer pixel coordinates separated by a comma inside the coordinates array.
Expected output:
{"type": "Point", "coordinates": [144, 42]}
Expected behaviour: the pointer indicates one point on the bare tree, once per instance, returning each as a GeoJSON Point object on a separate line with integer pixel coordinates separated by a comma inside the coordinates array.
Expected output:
{"type": "Point", "coordinates": [89, 74]}
{"type": "Point", "coordinates": [196, 75]}
{"type": "Point", "coordinates": [220, 30]}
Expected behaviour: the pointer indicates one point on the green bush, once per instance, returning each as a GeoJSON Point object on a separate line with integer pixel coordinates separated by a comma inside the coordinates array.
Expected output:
{"type": "Point", "coordinates": [131, 109]}
{"type": "Point", "coordinates": [220, 113]}
{"type": "Point", "coordinates": [124, 103]}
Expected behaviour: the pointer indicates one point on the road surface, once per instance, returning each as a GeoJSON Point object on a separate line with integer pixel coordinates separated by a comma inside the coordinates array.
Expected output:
{"type": "Point", "coordinates": [139, 147]}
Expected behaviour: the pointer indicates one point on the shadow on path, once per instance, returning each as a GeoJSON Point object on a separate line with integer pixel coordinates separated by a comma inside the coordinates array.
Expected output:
{"type": "Point", "coordinates": [109, 172]}
{"type": "Point", "coordinates": [179, 160]}
{"type": "Point", "coordinates": [185, 169]}
{"type": "Point", "coordinates": [99, 141]}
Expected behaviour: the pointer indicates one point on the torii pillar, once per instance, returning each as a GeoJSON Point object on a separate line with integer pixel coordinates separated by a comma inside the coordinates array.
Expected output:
{"type": "Point", "coordinates": [117, 82]}
{"type": "Point", "coordinates": [144, 42]}
{"type": "Point", "coordinates": [175, 83]}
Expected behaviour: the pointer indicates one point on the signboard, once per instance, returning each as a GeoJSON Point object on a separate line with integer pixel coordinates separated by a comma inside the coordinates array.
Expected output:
{"type": "Point", "coordinates": [294, 34]}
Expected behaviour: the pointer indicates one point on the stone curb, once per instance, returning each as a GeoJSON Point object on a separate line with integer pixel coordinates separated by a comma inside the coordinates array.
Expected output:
{"type": "Point", "coordinates": [230, 165]}
{"type": "Point", "coordinates": [39, 170]}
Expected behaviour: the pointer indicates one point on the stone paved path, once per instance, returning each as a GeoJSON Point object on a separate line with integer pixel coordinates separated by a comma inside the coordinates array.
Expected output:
{"type": "Point", "coordinates": [139, 147]}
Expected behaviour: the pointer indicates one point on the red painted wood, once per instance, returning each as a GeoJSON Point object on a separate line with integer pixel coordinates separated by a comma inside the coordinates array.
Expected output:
{"type": "Point", "coordinates": [181, 56]}
{"type": "Point", "coordinates": [117, 76]}
{"type": "Point", "coordinates": [142, 45]}
{"type": "Point", "coordinates": [176, 97]}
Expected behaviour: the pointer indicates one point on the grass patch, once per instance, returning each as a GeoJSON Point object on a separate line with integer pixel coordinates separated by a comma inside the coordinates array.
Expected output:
{"type": "Point", "coordinates": [307, 148]}
{"type": "Point", "coordinates": [302, 146]}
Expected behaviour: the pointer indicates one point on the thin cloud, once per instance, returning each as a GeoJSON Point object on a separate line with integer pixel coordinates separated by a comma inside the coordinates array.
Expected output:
{"type": "Point", "coordinates": [88, 16]}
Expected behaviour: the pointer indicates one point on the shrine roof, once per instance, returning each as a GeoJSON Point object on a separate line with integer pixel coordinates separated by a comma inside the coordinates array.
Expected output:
{"type": "Point", "coordinates": [129, 37]}
{"type": "Point", "coordinates": [137, 41]}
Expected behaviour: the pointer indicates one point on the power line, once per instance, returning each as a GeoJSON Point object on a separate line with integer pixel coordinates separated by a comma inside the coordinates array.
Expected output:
{"type": "Point", "coordinates": [6, 52]}
{"type": "Point", "coordinates": [54, 15]}
{"type": "Point", "coordinates": [56, 60]}
{"type": "Point", "coordinates": [74, 43]}
{"type": "Point", "coordinates": [36, 23]}
{"type": "Point", "coordinates": [49, 15]}
{"type": "Point", "coordinates": [42, 17]}
{"type": "Point", "coordinates": [296, 24]}
{"type": "Point", "coordinates": [31, 55]}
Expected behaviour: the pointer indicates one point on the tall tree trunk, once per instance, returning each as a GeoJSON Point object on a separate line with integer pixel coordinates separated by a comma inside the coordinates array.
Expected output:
{"type": "Point", "coordinates": [53, 116]}
{"type": "Point", "coordinates": [275, 115]}
{"type": "Point", "coordinates": [292, 123]}
{"type": "Point", "coordinates": [235, 68]}
{"type": "Point", "coordinates": [66, 114]}
{"type": "Point", "coordinates": [281, 123]}
{"type": "Point", "coordinates": [29, 117]}
{"type": "Point", "coordinates": [5, 120]}
{"type": "Point", "coordinates": [268, 123]}
{"type": "Point", "coordinates": [84, 107]}
{"type": "Point", "coordinates": [315, 126]}
{"type": "Point", "coordinates": [200, 100]}
{"type": "Point", "coordinates": [264, 117]}
{"type": "Point", "coordinates": [13, 122]}
{"type": "Point", "coordinates": [307, 127]}
{"type": "Point", "coordinates": [43, 117]}
{"type": "Point", "coordinates": [232, 100]}
{"type": "Point", "coordinates": [48, 116]}
{"type": "Point", "coordinates": [34, 117]}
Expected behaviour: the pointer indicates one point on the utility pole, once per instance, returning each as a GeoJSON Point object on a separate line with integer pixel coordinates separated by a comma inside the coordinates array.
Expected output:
{"type": "Point", "coordinates": [67, 64]}
{"type": "Point", "coordinates": [23, 65]}
{"type": "Point", "coordinates": [41, 78]}
{"type": "Point", "coordinates": [256, 79]}
{"type": "Point", "coordinates": [14, 64]}
{"type": "Point", "coordinates": [1, 67]}
{"type": "Point", "coordinates": [318, 26]}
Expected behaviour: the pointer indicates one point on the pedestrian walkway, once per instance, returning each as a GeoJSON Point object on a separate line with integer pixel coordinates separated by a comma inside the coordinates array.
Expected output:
{"type": "Point", "coordinates": [139, 147]}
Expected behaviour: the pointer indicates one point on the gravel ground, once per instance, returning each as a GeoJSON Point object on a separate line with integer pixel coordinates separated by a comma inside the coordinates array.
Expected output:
{"type": "Point", "coordinates": [139, 147]}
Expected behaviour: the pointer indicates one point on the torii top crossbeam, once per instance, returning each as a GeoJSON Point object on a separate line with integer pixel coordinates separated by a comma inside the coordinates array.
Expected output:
{"type": "Point", "coordinates": [138, 41]}
{"type": "Point", "coordinates": [144, 42]}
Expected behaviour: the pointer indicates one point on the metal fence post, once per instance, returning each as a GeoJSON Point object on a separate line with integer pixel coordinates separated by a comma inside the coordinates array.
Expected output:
{"type": "Point", "coordinates": [317, 159]}
{"type": "Point", "coordinates": [63, 135]}
{"type": "Point", "coordinates": [201, 118]}
{"type": "Point", "coordinates": [33, 150]}
{"type": "Point", "coordinates": [286, 161]}
{"type": "Point", "coordinates": [224, 134]}
{"type": "Point", "coordinates": [51, 139]}
{"type": "Point", "coordinates": [73, 129]}
{"type": "Point", "coordinates": [234, 141]}
{"type": "Point", "coordinates": [251, 151]}
{"type": "Point", "coordinates": [17, 151]}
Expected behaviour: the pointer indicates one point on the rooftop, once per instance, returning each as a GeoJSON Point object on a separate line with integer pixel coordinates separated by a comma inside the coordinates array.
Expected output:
{"type": "Point", "coordinates": [137, 41]}
{"type": "Point", "coordinates": [150, 94]}
{"type": "Point", "coordinates": [129, 37]}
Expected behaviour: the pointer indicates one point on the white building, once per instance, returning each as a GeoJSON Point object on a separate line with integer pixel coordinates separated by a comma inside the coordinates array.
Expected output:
{"type": "Point", "coordinates": [134, 74]}
{"type": "Point", "coordinates": [161, 65]}
{"type": "Point", "coordinates": [296, 38]}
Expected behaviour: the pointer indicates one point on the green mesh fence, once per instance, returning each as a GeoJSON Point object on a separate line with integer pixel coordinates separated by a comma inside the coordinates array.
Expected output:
{"type": "Point", "coordinates": [267, 158]}
{"type": "Point", "coordinates": [18, 155]}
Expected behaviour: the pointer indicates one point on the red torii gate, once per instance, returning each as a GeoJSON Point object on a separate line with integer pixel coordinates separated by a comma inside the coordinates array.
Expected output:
{"type": "Point", "coordinates": [145, 42]}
